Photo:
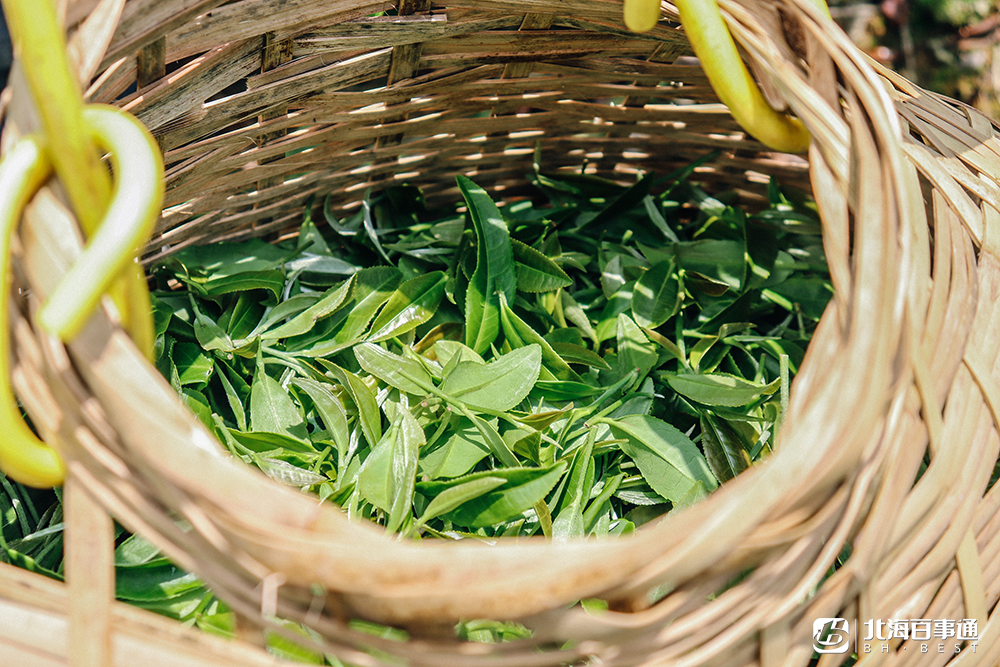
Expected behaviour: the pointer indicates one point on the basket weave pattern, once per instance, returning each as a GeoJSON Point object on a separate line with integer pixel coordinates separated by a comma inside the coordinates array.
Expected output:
{"type": "Point", "coordinates": [902, 370]}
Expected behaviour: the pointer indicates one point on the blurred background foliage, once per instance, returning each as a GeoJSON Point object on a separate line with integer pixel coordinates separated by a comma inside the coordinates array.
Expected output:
{"type": "Point", "coordinates": [949, 46]}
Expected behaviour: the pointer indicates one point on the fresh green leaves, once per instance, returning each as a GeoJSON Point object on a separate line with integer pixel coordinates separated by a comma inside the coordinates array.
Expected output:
{"type": "Point", "coordinates": [389, 473]}
{"type": "Point", "coordinates": [412, 304]}
{"type": "Point", "coordinates": [522, 489]}
{"type": "Point", "coordinates": [504, 368]}
{"type": "Point", "coordinates": [656, 296]}
{"type": "Point", "coordinates": [494, 274]}
{"type": "Point", "coordinates": [670, 462]}
{"type": "Point", "coordinates": [720, 389]}
{"type": "Point", "coordinates": [497, 386]}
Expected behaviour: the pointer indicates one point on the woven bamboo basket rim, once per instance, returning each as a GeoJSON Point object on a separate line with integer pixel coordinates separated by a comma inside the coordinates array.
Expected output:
{"type": "Point", "coordinates": [902, 367]}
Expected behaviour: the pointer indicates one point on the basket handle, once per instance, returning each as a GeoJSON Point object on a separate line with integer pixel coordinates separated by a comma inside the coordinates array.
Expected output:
{"type": "Point", "coordinates": [41, 49]}
{"type": "Point", "coordinates": [713, 44]}
{"type": "Point", "coordinates": [128, 221]}
{"type": "Point", "coordinates": [117, 229]}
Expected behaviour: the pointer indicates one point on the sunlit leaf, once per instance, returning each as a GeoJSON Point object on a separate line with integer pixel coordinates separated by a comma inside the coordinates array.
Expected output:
{"type": "Point", "coordinates": [413, 303]}
{"type": "Point", "coordinates": [524, 488]}
{"type": "Point", "coordinates": [494, 274]}
{"type": "Point", "coordinates": [497, 386]}
{"type": "Point", "coordinates": [392, 369]}
{"type": "Point", "coordinates": [720, 388]}
{"type": "Point", "coordinates": [655, 297]}
{"type": "Point", "coordinates": [535, 272]}
{"type": "Point", "coordinates": [669, 461]}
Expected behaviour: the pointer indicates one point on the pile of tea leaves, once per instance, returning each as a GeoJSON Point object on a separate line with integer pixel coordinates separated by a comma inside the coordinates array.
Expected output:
{"type": "Point", "coordinates": [572, 366]}
{"type": "Point", "coordinates": [568, 369]}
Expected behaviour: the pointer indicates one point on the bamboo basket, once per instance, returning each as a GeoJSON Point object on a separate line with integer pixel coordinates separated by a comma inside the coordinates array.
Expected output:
{"type": "Point", "coordinates": [902, 370]}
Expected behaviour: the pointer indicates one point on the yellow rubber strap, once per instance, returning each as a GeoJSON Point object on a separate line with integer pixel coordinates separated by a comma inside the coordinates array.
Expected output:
{"type": "Point", "coordinates": [128, 223]}
{"type": "Point", "coordinates": [23, 457]}
{"type": "Point", "coordinates": [40, 46]}
{"type": "Point", "coordinates": [641, 15]}
{"type": "Point", "coordinates": [138, 195]}
{"type": "Point", "coordinates": [713, 44]}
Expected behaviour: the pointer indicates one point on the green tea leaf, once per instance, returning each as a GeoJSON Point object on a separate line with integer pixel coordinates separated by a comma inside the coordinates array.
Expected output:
{"type": "Point", "coordinates": [413, 303]}
{"type": "Point", "coordinates": [193, 366]}
{"type": "Point", "coordinates": [209, 334]}
{"type": "Point", "coordinates": [368, 410]}
{"type": "Point", "coordinates": [290, 307]}
{"type": "Point", "coordinates": [235, 404]}
{"type": "Point", "coordinates": [541, 420]}
{"type": "Point", "coordinates": [575, 354]}
{"type": "Point", "coordinates": [724, 449]}
{"type": "Point", "coordinates": [569, 521]}
{"type": "Point", "coordinates": [655, 297]}
{"type": "Point", "coordinates": [722, 260]}
{"type": "Point", "coordinates": [656, 217]}
{"type": "Point", "coordinates": [494, 274]}
{"type": "Point", "coordinates": [720, 389]}
{"type": "Point", "coordinates": [372, 288]}
{"type": "Point", "coordinates": [271, 281]}
{"type": "Point", "coordinates": [246, 314]}
{"type": "Point", "coordinates": [226, 259]}
{"type": "Point", "coordinates": [535, 272]}
{"type": "Point", "coordinates": [450, 499]}
{"type": "Point", "coordinates": [158, 579]}
{"type": "Point", "coordinates": [564, 390]}
{"type": "Point", "coordinates": [623, 203]}
{"type": "Point", "coordinates": [288, 474]}
{"type": "Point", "coordinates": [135, 550]}
{"type": "Point", "coordinates": [392, 369]}
{"type": "Point", "coordinates": [271, 409]}
{"type": "Point", "coordinates": [497, 386]}
{"type": "Point", "coordinates": [496, 443]}
{"type": "Point", "coordinates": [284, 648]}
{"type": "Point", "coordinates": [304, 321]}
{"type": "Point", "coordinates": [597, 504]}
{"type": "Point", "coordinates": [668, 460]}
{"type": "Point", "coordinates": [162, 313]}
{"type": "Point", "coordinates": [527, 444]}
{"type": "Point", "coordinates": [519, 335]}
{"type": "Point", "coordinates": [276, 444]}
{"type": "Point", "coordinates": [389, 473]}
{"type": "Point", "coordinates": [330, 410]}
{"type": "Point", "coordinates": [458, 454]}
{"type": "Point", "coordinates": [634, 349]}
{"type": "Point", "coordinates": [811, 294]}
{"type": "Point", "coordinates": [524, 488]}
{"type": "Point", "coordinates": [450, 353]}
{"type": "Point", "coordinates": [575, 314]}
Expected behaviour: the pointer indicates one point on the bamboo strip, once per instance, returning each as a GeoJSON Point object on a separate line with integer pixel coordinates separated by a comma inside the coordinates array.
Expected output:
{"type": "Point", "coordinates": [90, 573]}
{"type": "Point", "coordinates": [36, 631]}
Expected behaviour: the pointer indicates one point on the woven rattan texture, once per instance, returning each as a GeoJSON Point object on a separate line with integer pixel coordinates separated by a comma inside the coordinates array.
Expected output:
{"type": "Point", "coordinates": [472, 90]}
{"type": "Point", "coordinates": [892, 431]}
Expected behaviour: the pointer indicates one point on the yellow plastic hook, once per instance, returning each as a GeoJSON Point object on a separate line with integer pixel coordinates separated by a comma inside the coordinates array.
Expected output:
{"type": "Point", "coordinates": [23, 457]}
{"type": "Point", "coordinates": [40, 47]}
{"type": "Point", "coordinates": [713, 44]}
{"type": "Point", "coordinates": [117, 229]}
{"type": "Point", "coordinates": [127, 223]}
